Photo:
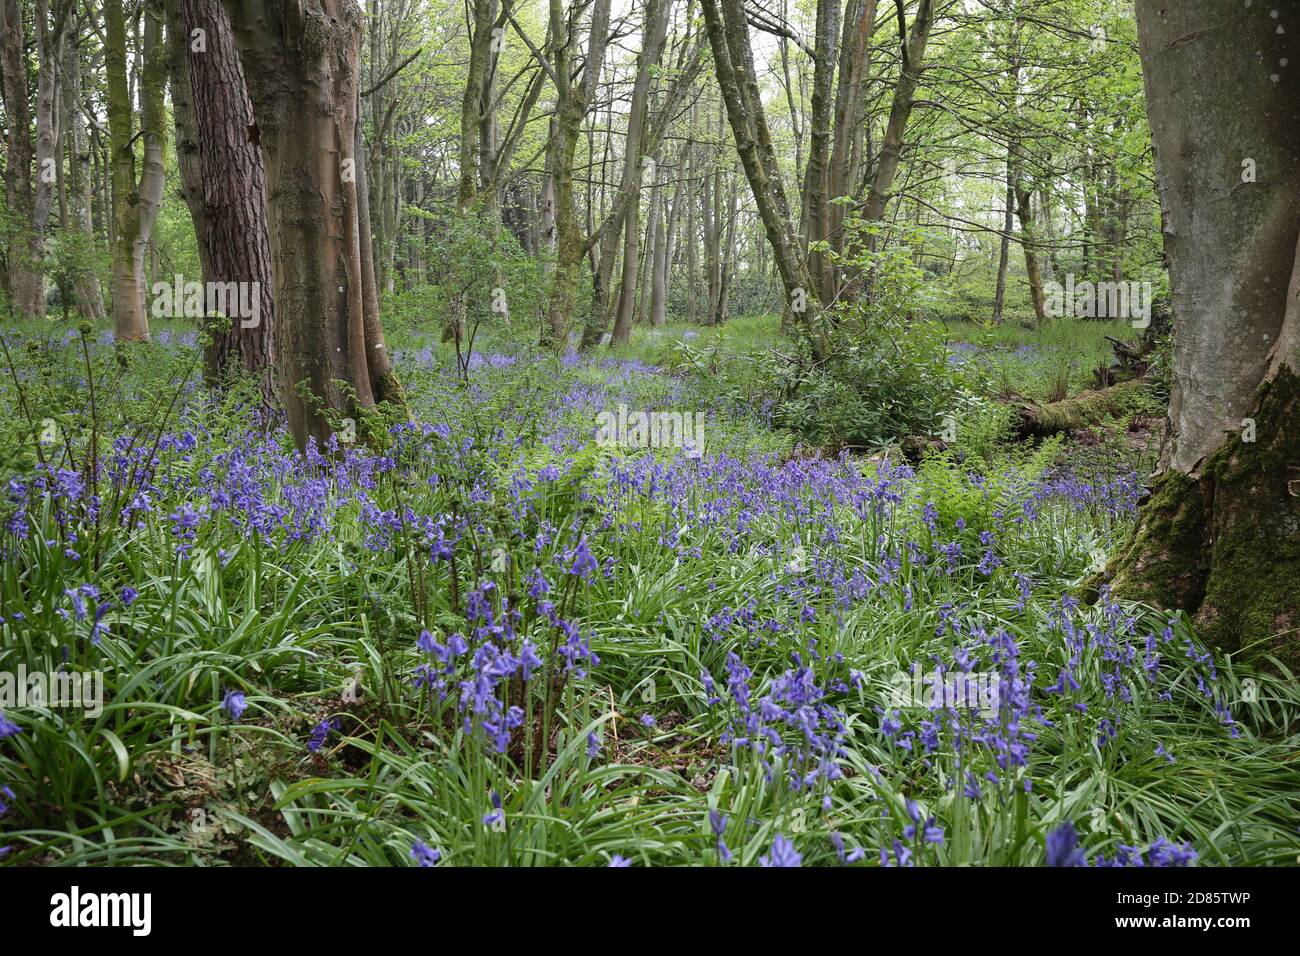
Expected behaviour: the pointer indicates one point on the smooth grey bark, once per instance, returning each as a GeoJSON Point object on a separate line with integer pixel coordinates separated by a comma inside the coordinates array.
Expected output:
{"type": "Point", "coordinates": [1219, 535]}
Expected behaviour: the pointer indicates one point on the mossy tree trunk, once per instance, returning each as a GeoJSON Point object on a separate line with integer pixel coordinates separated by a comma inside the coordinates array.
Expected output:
{"type": "Point", "coordinates": [572, 100]}
{"type": "Point", "coordinates": [1219, 536]}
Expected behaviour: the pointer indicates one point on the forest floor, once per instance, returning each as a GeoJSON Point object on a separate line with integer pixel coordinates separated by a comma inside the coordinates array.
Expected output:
{"type": "Point", "coordinates": [496, 640]}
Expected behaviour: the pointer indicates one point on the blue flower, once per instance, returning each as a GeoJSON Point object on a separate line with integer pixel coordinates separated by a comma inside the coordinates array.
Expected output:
{"type": "Point", "coordinates": [782, 854]}
{"type": "Point", "coordinates": [423, 854]}
{"type": "Point", "coordinates": [234, 704]}
{"type": "Point", "coordinates": [497, 815]}
{"type": "Point", "coordinates": [1063, 847]}
{"type": "Point", "coordinates": [717, 822]}
{"type": "Point", "coordinates": [320, 733]}
{"type": "Point", "coordinates": [619, 861]}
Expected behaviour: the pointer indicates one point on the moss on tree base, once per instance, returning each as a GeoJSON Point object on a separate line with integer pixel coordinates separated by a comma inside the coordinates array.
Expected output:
{"type": "Point", "coordinates": [1225, 546]}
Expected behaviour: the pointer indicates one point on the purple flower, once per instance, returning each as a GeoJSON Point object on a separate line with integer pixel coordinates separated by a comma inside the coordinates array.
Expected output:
{"type": "Point", "coordinates": [497, 815]}
{"type": "Point", "coordinates": [647, 720]}
{"type": "Point", "coordinates": [320, 733]}
{"type": "Point", "coordinates": [1063, 847]}
{"type": "Point", "coordinates": [717, 822]}
{"type": "Point", "coordinates": [851, 856]}
{"type": "Point", "coordinates": [7, 727]}
{"type": "Point", "coordinates": [619, 862]}
{"type": "Point", "coordinates": [423, 854]}
{"type": "Point", "coordinates": [782, 854]}
{"type": "Point", "coordinates": [234, 704]}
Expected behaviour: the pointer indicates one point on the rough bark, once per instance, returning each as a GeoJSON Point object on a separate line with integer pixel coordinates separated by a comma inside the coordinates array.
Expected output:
{"type": "Point", "coordinates": [572, 101]}
{"type": "Point", "coordinates": [850, 102]}
{"type": "Point", "coordinates": [900, 110]}
{"type": "Point", "coordinates": [302, 60]}
{"type": "Point", "coordinates": [816, 185]}
{"type": "Point", "coordinates": [223, 182]}
{"type": "Point", "coordinates": [1024, 212]}
{"type": "Point", "coordinates": [49, 45]}
{"type": "Point", "coordinates": [656, 30]}
{"type": "Point", "coordinates": [23, 278]}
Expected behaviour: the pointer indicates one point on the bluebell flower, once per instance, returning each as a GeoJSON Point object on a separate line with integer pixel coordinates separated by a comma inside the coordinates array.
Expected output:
{"type": "Point", "coordinates": [424, 855]}
{"type": "Point", "coordinates": [234, 704]}
{"type": "Point", "coordinates": [782, 854]}
{"type": "Point", "coordinates": [1063, 846]}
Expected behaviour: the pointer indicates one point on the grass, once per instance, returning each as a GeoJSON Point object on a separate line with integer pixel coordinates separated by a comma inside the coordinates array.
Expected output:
{"type": "Point", "coordinates": [762, 606]}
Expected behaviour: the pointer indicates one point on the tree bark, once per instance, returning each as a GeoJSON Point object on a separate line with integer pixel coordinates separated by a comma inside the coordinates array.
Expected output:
{"type": "Point", "coordinates": [135, 203]}
{"type": "Point", "coordinates": [734, 65]}
{"type": "Point", "coordinates": [572, 101]}
{"type": "Point", "coordinates": [1220, 535]}
{"type": "Point", "coordinates": [302, 62]}
{"type": "Point", "coordinates": [223, 183]}
{"type": "Point", "coordinates": [80, 182]}
{"type": "Point", "coordinates": [23, 278]}
{"type": "Point", "coordinates": [891, 148]}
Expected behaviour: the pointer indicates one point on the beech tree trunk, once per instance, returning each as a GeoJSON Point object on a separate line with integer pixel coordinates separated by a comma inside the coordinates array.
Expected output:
{"type": "Point", "coordinates": [301, 59]}
{"type": "Point", "coordinates": [1219, 536]}
{"type": "Point", "coordinates": [135, 203]}
{"type": "Point", "coordinates": [222, 182]}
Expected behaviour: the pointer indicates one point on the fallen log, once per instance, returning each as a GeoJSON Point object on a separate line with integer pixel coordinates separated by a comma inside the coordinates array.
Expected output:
{"type": "Point", "coordinates": [1037, 420]}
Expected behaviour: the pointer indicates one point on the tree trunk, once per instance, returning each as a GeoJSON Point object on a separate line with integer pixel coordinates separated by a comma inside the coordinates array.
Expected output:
{"type": "Point", "coordinates": [816, 185]}
{"type": "Point", "coordinates": [49, 45]}
{"type": "Point", "coordinates": [223, 183]}
{"type": "Point", "coordinates": [891, 148]}
{"type": "Point", "coordinates": [1026, 215]}
{"type": "Point", "coordinates": [734, 65]}
{"type": "Point", "coordinates": [1220, 535]}
{"type": "Point", "coordinates": [302, 62]}
{"type": "Point", "coordinates": [572, 102]}
{"type": "Point", "coordinates": [80, 176]}
{"type": "Point", "coordinates": [656, 32]}
{"type": "Point", "coordinates": [23, 277]}
{"type": "Point", "coordinates": [1004, 247]}
{"type": "Point", "coordinates": [850, 99]}
{"type": "Point", "coordinates": [135, 204]}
